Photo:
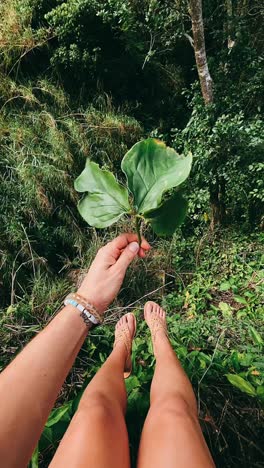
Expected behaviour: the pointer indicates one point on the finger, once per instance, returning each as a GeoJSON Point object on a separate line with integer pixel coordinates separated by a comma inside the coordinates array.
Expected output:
{"type": "Point", "coordinates": [126, 257]}
{"type": "Point", "coordinates": [122, 241]}
{"type": "Point", "coordinates": [141, 253]}
{"type": "Point", "coordinates": [144, 244]}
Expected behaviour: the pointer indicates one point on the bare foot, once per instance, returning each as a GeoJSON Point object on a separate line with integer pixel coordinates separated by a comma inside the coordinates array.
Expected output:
{"type": "Point", "coordinates": [155, 317]}
{"type": "Point", "coordinates": [124, 334]}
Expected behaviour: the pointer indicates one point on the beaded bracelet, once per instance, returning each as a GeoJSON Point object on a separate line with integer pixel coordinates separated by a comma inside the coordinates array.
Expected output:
{"type": "Point", "coordinates": [89, 313]}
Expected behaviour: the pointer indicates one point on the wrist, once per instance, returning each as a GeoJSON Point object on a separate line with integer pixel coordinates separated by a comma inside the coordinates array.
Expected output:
{"type": "Point", "coordinates": [88, 312]}
{"type": "Point", "coordinates": [92, 300]}
{"type": "Point", "coordinates": [74, 315]}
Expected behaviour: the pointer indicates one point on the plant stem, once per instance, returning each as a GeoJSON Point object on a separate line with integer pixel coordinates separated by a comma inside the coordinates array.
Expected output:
{"type": "Point", "coordinates": [138, 230]}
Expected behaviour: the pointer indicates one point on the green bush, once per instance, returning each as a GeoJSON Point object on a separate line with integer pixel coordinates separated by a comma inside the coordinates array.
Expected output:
{"type": "Point", "coordinates": [228, 151]}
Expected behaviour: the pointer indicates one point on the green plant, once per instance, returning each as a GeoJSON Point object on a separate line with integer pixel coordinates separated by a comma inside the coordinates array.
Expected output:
{"type": "Point", "coordinates": [151, 169]}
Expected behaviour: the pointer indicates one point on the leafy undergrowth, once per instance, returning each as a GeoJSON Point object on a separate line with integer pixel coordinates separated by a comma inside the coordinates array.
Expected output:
{"type": "Point", "coordinates": [212, 290]}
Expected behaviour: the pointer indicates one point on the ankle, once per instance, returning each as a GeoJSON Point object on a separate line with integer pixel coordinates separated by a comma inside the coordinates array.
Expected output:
{"type": "Point", "coordinates": [120, 346]}
{"type": "Point", "coordinates": [161, 344]}
{"type": "Point", "coordinates": [159, 336]}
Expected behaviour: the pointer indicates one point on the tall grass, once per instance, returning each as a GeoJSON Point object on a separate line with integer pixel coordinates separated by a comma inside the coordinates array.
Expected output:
{"type": "Point", "coordinates": [43, 148]}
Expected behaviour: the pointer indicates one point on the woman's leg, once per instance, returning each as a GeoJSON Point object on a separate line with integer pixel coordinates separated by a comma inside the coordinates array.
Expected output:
{"type": "Point", "coordinates": [97, 435]}
{"type": "Point", "coordinates": [171, 436]}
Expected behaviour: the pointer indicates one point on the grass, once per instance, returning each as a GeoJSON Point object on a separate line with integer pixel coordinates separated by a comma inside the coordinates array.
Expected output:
{"type": "Point", "coordinates": [43, 148]}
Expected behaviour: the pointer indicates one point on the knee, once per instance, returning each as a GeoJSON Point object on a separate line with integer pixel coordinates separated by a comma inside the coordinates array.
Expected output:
{"type": "Point", "coordinates": [175, 406]}
{"type": "Point", "coordinates": [97, 405]}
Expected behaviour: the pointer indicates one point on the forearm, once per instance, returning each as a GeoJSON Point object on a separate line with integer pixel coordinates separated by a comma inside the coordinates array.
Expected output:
{"type": "Point", "coordinates": [30, 384]}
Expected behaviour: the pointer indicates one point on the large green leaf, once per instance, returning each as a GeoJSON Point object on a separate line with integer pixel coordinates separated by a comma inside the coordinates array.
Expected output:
{"type": "Point", "coordinates": [242, 384]}
{"type": "Point", "coordinates": [152, 168]}
{"type": "Point", "coordinates": [165, 219]}
{"type": "Point", "coordinates": [106, 200]}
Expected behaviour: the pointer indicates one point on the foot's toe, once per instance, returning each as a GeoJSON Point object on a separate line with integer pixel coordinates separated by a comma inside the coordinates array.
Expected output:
{"type": "Point", "coordinates": [155, 317]}
{"type": "Point", "coordinates": [149, 308]}
{"type": "Point", "coordinates": [122, 321]}
{"type": "Point", "coordinates": [150, 305]}
{"type": "Point", "coordinates": [119, 323]}
{"type": "Point", "coordinates": [126, 321]}
{"type": "Point", "coordinates": [131, 323]}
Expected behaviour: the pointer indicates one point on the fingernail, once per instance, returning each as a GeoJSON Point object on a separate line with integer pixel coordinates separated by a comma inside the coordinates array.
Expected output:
{"type": "Point", "coordinates": [134, 247]}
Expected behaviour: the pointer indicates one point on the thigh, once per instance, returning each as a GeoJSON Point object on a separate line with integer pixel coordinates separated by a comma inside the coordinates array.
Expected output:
{"type": "Point", "coordinates": [96, 438]}
{"type": "Point", "coordinates": [172, 438]}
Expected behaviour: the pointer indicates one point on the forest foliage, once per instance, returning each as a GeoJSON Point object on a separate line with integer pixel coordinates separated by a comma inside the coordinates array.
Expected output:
{"type": "Point", "coordinates": [88, 79]}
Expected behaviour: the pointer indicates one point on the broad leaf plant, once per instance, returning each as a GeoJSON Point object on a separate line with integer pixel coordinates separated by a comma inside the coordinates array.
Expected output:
{"type": "Point", "coordinates": [152, 169]}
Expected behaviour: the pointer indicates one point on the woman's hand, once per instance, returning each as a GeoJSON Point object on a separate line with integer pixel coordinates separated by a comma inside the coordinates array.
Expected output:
{"type": "Point", "coordinates": [106, 274]}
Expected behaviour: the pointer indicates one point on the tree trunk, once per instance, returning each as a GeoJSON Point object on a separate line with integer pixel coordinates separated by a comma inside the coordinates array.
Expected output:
{"type": "Point", "coordinates": [217, 190]}
{"type": "Point", "coordinates": [229, 24]}
{"type": "Point", "coordinates": [217, 201]}
{"type": "Point", "coordinates": [196, 13]}
{"type": "Point", "coordinates": [242, 7]}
